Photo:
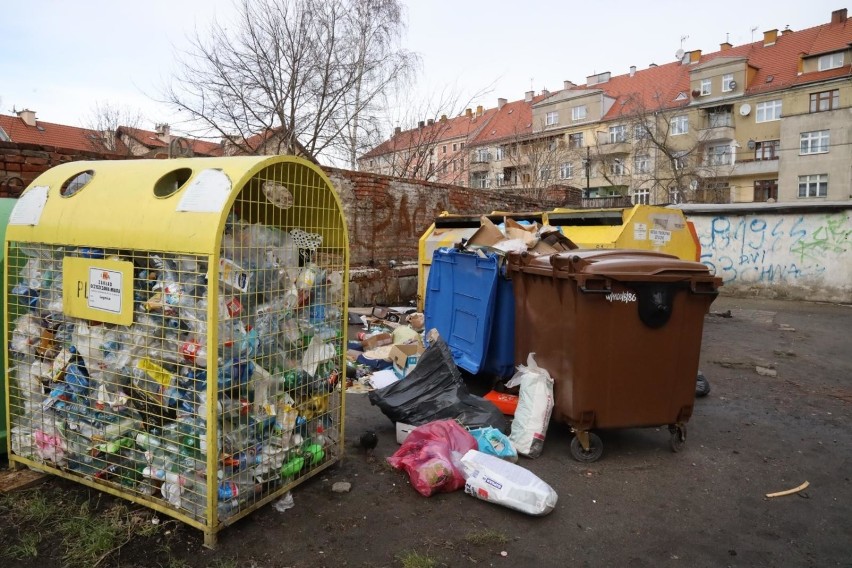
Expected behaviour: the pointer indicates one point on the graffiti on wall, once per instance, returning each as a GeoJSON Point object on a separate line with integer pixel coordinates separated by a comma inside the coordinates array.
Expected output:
{"type": "Point", "coordinates": [767, 249]}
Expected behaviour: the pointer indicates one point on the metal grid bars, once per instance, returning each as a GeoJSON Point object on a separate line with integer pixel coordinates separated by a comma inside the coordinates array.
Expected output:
{"type": "Point", "coordinates": [222, 391]}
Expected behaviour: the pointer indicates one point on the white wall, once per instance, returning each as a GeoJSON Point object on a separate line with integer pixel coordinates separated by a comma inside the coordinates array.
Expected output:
{"type": "Point", "coordinates": [779, 251]}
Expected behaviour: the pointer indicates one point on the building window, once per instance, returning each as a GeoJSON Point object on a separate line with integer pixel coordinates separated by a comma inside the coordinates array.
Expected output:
{"type": "Point", "coordinates": [551, 118]}
{"type": "Point", "coordinates": [767, 150]}
{"type": "Point", "coordinates": [813, 185]}
{"type": "Point", "coordinates": [578, 112]}
{"type": "Point", "coordinates": [726, 83]}
{"type": "Point", "coordinates": [501, 179]}
{"type": "Point", "coordinates": [552, 144]}
{"type": "Point", "coordinates": [705, 86]}
{"type": "Point", "coordinates": [768, 110]}
{"type": "Point", "coordinates": [640, 132]}
{"type": "Point", "coordinates": [680, 125]}
{"type": "Point", "coordinates": [461, 145]}
{"type": "Point", "coordinates": [766, 189]}
{"type": "Point", "coordinates": [617, 167]}
{"type": "Point", "coordinates": [480, 180]}
{"type": "Point", "coordinates": [566, 170]}
{"type": "Point", "coordinates": [719, 155]}
{"type": "Point", "coordinates": [444, 168]}
{"type": "Point", "coordinates": [483, 155]}
{"type": "Point", "coordinates": [680, 160]}
{"type": "Point", "coordinates": [642, 164]}
{"type": "Point", "coordinates": [617, 134]}
{"type": "Point", "coordinates": [544, 173]}
{"type": "Point", "coordinates": [830, 61]}
{"type": "Point", "coordinates": [455, 146]}
{"type": "Point", "coordinates": [641, 196]}
{"type": "Point", "coordinates": [719, 117]}
{"type": "Point", "coordinates": [371, 163]}
{"type": "Point", "coordinates": [498, 154]}
{"type": "Point", "coordinates": [575, 140]}
{"type": "Point", "coordinates": [814, 142]}
{"type": "Point", "coordinates": [826, 100]}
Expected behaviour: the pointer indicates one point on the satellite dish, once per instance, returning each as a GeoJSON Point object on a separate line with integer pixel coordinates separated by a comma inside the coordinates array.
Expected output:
{"type": "Point", "coordinates": [679, 54]}
{"type": "Point", "coordinates": [732, 85]}
{"type": "Point", "coordinates": [745, 108]}
{"type": "Point", "coordinates": [751, 144]}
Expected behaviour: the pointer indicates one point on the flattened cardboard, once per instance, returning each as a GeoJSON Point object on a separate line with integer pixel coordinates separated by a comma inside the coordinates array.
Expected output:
{"type": "Point", "coordinates": [404, 358]}
{"type": "Point", "coordinates": [487, 235]}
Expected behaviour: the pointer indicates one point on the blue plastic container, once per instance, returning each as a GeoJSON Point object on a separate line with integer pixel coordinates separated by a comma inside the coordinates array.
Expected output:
{"type": "Point", "coordinates": [473, 308]}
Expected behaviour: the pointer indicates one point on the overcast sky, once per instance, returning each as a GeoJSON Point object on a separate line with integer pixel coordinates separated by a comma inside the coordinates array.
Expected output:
{"type": "Point", "coordinates": [58, 57]}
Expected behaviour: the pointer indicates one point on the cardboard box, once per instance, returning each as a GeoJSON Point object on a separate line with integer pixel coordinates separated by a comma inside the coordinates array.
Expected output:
{"type": "Point", "coordinates": [378, 340]}
{"type": "Point", "coordinates": [402, 431]}
{"type": "Point", "coordinates": [487, 235]}
{"type": "Point", "coordinates": [404, 358]}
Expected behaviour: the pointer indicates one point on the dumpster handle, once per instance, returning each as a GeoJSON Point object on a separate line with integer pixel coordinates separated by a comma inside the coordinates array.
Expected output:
{"type": "Point", "coordinates": [713, 291]}
{"type": "Point", "coordinates": [585, 290]}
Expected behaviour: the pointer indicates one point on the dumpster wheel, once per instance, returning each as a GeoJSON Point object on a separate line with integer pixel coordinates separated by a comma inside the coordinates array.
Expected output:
{"type": "Point", "coordinates": [590, 454]}
{"type": "Point", "coordinates": [678, 439]}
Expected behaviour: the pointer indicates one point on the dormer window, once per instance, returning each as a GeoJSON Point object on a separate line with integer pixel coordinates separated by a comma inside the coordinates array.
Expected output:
{"type": "Point", "coordinates": [3, 136]}
{"type": "Point", "coordinates": [830, 61]}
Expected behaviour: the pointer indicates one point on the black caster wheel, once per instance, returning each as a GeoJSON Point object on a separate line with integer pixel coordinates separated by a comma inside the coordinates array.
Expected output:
{"type": "Point", "coordinates": [587, 456]}
{"type": "Point", "coordinates": [678, 437]}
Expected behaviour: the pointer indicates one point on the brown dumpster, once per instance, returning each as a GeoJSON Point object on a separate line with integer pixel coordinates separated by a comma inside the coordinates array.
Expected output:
{"type": "Point", "coordinates": [620, 333]}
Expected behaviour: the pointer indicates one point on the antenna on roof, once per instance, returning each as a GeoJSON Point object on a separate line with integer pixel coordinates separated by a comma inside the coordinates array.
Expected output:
{"type": "Point", "coordinates": [683, 38]}
{"type": "Point", "coordinates": [754, 29]}
{"type": "Point", "coordinates": [727, 37]}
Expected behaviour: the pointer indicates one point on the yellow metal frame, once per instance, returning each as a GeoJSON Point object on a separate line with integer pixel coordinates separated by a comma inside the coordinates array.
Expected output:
{"type": "Point", "coordinates": [117, 209]}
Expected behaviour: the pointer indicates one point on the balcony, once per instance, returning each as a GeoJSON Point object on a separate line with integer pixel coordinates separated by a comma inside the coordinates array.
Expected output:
{"type": "Point", "coordinates": [608, 202]}
{"type": "Point", "coordinates": [608, 148]}
{"type": "Point", "coordinates": [755, 167]}
{"type": "Point", "coordinates": [476, 166]}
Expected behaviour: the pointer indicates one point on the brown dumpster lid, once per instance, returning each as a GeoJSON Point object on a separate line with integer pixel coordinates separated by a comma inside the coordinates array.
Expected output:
{"type": "Point", "coordinates": [618, 264]}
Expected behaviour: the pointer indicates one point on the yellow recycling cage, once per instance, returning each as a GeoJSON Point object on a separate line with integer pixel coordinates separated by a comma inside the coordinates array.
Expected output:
{"type": "Point", "coordinates": [176, 333]}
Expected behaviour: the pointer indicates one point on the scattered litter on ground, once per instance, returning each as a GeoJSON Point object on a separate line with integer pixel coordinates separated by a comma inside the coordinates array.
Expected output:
{"type": "Point", "coordinates": [286, 502]}
{"type": "Point", "coordinates": [801, 487]}
{"type": "Point", "coordinates": [341, 487]}
{"type": "Point", "coordinates": [766, 371]}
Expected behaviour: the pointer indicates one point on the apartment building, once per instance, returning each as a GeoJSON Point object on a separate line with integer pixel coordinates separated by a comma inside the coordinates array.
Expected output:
{"type": "Point", "coordinates": [768, 120]}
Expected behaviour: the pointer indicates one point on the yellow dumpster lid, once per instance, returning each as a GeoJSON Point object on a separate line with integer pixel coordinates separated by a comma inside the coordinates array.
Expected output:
{"type": "Point", "coordinates": [176, 205]}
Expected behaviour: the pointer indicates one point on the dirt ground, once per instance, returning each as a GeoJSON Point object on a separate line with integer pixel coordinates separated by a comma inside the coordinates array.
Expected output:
{"type": "Point", "coordinates": [640, 505]}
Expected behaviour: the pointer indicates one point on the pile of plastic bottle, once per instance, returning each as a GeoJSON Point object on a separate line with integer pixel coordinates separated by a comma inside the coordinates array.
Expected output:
{"type": "Point", "coordinates": [128, 405]}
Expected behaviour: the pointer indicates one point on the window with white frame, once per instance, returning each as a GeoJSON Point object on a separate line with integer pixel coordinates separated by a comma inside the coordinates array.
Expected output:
{"type": "Point", "coordinates": [641, 196]}
{"type": "Point", "coordinates": [641, 132]}
{"type": "Point", "coordinates": [726, 83]}
{"type": "Point", "coordinates": [551, 118]}
{"type": "Point", "coordinates": [617, 133]}
{"type": "Point", "coordinates": [814, 142]}
{"type": "Point", "coordinates": [578, 112]}
{"type": "Point", "coordinates": [679, 125]}
{"type": "Point", "coordinates": [705, 86]}
{"type": "Point", "coordinates": [498, 154]}
{"type": "Point", "coordinates": [566, 170]}
{"type": "Point", "coordinates": [641, 164]}
{"type": "Point", "coordinates": [830, 61]}
{"type": "Point", "coordinates": [719, 155]}
{"type": "Point", "coordinates": [680, 160]}
{"type": "Point", "coordinates": [480, 180]}
{"type": "Point", "coordinates": [575, 140]}
{"type": "Point", "coordinates": [501, 178]}
{"type": "Point", "coordinates": [544, 173]}
{"type": "Point", "coordinates": [719, 117]}
{"type": "Point", "coordinates": [552, 144]}
{"type": "Point", "coordinates": [616, 168]}
{"type": "Point", "coordinates": [768, 110]}
{"type": "Point", "coordinates": [815, 185]}
{"type": "Point", "coordinates": [483, 155]}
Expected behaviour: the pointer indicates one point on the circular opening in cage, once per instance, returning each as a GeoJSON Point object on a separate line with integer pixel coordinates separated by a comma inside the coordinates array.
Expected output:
{"type": "Point", "coordinates": [277, 194]}
{"type": "Point", "coordinates": [170, 183]}
{"type": "Point", "coordinates": [76, 182]}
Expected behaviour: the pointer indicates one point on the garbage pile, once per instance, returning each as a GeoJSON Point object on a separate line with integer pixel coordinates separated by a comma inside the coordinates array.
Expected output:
{"type": "Point", "coordinates": [129, 404]}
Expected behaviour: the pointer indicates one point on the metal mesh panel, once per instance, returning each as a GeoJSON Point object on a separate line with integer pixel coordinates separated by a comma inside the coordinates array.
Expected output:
{"type": "Point", "coordinates": [236, 355]}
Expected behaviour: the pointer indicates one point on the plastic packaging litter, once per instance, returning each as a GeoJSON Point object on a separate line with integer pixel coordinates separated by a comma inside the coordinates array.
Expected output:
{"type": "Point", "coordinates": [535, 405]}
{"type": "Point", "coordinates": [494, 442]}
{"type": "Point", "coordinates": [491, 479]}
{"type": "Point", "coordinates": [430, 455]}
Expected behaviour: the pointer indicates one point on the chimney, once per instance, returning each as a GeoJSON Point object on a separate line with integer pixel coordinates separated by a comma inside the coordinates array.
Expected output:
{"type": "Point", "coordinates": [421, 124]}
{"type": "Point", "coordinates": [163, 131]}
{"type": "Point", "coordinates": [632, 70]}
{"type": "Point", "coordinates": [443, 118]}
{"type": "Point", "coordinates": [397, 131]}
{"type": "Point", "coordinates": [501, 103]}
{"type": "Point", "coordinates": [694, 56]}
{"type": "Point", "coordinates": [479, 110]}
{"type": "Point", "coordinates": [430, 121]}
{"type": "Point", "coordinates": [838, 16]}
{"type": "Point", "coordinates": [652, 65]}
{"type": "Point", "coordinates": [468, 113]}
{"type": "Point", "coordinates": [568, 85]}
{"type": "Point", "coordinates": [545, 92]}
{"type": "Point", "coordinates": [28, 116]}
{"type": "Point", "coordinates": [769, 37]}
{"type": "Point", "coordinates": [786, 31]}
{"type": "Point", "coordinates": [528, 96]}
{"type": "Point", "coordinates": [725, 46]}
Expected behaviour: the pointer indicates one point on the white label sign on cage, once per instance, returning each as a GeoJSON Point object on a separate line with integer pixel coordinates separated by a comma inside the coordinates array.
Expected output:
{"type": "Point", "coordinates": [207, 193]}
{"type": "Point", "coordinates": [640, 231]}
{"type": "Point", "coordinates": [104, 290]}
{"type": "Point", "coordinates": [28, 209]}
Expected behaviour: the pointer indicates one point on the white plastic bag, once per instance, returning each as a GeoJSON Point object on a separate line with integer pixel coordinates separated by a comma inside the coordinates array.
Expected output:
{"type": "Point", "coordinates": [492, 479]}
{"type": "Point", "coordinates": [534, 407]}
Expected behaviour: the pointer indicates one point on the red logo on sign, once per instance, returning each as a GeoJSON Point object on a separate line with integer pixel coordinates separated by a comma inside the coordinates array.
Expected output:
{"type": "Point", "coordinates": [105, 275]}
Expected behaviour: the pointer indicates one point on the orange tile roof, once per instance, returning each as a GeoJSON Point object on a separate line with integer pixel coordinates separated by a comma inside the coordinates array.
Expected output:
{"type": "Point", "coordinates": [50, 134]}
{"type": "Point", "coordinates": [150, 140]}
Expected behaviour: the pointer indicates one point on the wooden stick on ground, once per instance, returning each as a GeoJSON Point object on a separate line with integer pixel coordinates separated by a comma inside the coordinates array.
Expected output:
{"type": "Point", "coordinates": [801, 487]}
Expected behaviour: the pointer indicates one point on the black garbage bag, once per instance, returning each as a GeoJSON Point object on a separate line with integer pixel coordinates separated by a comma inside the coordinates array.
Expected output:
{"type": "Point", "coordinates": [435, 390]}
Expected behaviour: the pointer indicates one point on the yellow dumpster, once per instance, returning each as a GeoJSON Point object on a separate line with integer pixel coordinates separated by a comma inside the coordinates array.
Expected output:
{"type": "Point", "coordinates": [643, 227]}
{"type": "Point", "coordinates": [175, 334]}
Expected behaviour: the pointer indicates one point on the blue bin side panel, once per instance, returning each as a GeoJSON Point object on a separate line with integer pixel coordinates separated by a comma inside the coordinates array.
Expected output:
{"type": "Point", "coordinates": [500, 359]}
{"type": "Point", "coordinates": [460, 296]}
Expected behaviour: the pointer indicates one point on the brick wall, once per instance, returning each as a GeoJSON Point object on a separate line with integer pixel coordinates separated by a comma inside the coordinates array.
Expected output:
{"type": "Point", "coordinates": [20, 164]}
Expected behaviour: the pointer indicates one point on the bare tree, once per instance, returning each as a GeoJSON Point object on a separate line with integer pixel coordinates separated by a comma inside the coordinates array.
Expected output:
{"type": "Point", "coordinates": [296, 73]}
{"type": "Point", "coordinates": [104, 119]}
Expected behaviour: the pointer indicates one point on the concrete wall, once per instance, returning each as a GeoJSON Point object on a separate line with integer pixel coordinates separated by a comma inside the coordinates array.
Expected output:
{"type": "Point", "coordinates": [797, 252]}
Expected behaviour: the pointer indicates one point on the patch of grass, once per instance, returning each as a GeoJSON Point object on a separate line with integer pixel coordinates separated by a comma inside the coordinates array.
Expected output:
{"type": "Point", "coordinates": [177, 563]}
{"type": "Point", "coordinates": [413, 559]}
{"type": "Point", "coordinates": [224, 563]}
{"type": "Point", "coordinates": [486, 536]}
{"type": "Point", "coordinates": [26, 548]}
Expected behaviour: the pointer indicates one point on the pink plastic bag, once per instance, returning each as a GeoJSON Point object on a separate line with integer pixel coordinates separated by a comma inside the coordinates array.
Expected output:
{"type": "Point", "coordinates": [431, 454]}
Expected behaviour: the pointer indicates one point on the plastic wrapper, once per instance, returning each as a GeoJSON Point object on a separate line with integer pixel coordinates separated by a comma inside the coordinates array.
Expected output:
{"type": "Point", "coordinates": [434, 390]}
{"type": "Point", "coordinates": [491, 479]}
{"type": "Point", "coordinates": [494, 442]}
{"type": "Point", "coordinates": [430, 455]}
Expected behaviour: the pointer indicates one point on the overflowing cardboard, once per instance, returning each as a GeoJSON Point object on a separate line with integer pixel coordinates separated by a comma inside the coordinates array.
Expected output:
{"type": "Point", "coordinates": [404, 358]}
